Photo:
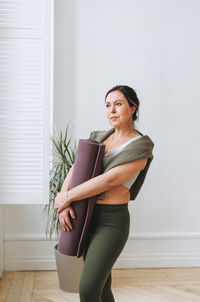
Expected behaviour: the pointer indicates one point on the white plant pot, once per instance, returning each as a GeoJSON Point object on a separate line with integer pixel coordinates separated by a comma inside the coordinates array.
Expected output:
{"type": "Point", "coordinates": [69, 271]}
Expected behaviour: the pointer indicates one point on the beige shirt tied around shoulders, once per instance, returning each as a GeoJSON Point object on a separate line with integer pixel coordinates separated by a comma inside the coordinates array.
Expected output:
{"type": "Point", "coordinates": [139, 148]}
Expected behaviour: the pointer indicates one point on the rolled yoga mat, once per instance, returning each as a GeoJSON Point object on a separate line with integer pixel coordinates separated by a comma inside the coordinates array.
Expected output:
{"type": "Point", "coordinates": [88, 164]}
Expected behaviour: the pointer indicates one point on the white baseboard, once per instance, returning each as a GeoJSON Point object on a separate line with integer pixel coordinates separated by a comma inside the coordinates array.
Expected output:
{"type": "Point", "coordinates": [158, 260]}
{"type": "Point", "coordinates": [132, 236]}
{"type": "Point", "coordinates": [146, 250]}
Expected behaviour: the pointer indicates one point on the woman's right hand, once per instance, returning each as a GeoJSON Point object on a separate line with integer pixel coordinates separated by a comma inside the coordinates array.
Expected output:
{"type": "Point", "coordinates": [64, 218]}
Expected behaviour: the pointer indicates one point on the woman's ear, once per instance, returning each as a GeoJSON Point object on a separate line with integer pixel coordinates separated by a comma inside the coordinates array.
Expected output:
{"type": "Point", "coordinates": [133, 108]}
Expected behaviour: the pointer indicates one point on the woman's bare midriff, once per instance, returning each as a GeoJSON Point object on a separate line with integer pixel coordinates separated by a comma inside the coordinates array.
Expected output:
{"type": "Point", "coordinates": [117, 195]}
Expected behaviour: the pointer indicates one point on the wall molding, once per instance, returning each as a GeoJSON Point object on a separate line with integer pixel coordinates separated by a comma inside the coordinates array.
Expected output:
{"type": "Point", "coordinates": [142, 250]}
{"type": "Point", "coordinates": [158, 260]}
{"type": "Point", "coordinates": [134, 260]}
{"type": "Point", "coordinates": [132, 236]}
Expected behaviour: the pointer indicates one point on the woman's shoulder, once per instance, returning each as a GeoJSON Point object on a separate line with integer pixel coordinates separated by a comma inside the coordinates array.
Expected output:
{"type": "Point", "coordinates": [96, 132]}
{"type": "Point", "coordinates": [147, 139]}
{"type": "Point", "coordinates": [100, 134]}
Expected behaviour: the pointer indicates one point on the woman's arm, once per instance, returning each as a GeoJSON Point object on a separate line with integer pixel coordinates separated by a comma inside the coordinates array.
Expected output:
{"type": "Point", "coordinates": [64, 215]}
{"type": "Point", "coordinates": [66, 183]}
{"type": "Point", "coordinates": [102, 182]}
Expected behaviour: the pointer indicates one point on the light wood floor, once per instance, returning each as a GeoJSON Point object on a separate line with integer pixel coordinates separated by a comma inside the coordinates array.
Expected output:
{"type": "Point", "coordinates": [128, 285]}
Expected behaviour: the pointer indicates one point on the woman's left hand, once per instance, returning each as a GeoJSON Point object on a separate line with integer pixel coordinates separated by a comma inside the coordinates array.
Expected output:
{"type": "Point", "coordinates": [61, 202]}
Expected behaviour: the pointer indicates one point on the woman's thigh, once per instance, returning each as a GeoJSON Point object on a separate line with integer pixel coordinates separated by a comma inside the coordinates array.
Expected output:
{"type": "Point", "coordinates": [100, 253]}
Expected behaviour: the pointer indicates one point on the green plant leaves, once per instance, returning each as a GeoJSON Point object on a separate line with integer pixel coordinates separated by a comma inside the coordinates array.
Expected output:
{"type": "Point", "coordinates": [64, 157]}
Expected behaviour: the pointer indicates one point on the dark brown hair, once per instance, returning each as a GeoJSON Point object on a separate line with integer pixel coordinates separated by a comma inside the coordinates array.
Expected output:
{"type": "Point", "coordinates": [130, 95]}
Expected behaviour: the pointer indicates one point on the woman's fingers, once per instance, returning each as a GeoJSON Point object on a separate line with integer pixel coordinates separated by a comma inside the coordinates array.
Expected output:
{"type": "Point", "coordinates": [71, 210]}
{"type": "Point", "coordinates": [65, 218]}
{"type": "Point", "coordinates": [63, 223]}
{"type": "Point", "coordinates": [60, 201]}
{"type": "Point", "coordinates": [72, 214]}
{"type": "Point", "coordinates": [63, 206]}
{"type": "Point", "coordinates": [68, 221]}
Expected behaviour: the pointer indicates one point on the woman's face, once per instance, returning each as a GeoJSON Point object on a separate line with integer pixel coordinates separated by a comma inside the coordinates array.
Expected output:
{"type": "Point", "coordinates": [118, 111]}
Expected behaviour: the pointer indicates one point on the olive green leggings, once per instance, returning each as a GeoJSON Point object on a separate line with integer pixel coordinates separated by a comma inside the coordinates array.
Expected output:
{"type": "Point", "coordinates": [106, 239]}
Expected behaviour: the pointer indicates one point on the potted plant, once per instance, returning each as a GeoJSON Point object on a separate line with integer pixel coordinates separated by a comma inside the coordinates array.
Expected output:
{"type": "Point", "coordinates": [69, 268]}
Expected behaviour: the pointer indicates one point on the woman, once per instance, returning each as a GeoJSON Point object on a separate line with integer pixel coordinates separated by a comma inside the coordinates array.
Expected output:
{"type": "Point", "coordinates": [110, 224]}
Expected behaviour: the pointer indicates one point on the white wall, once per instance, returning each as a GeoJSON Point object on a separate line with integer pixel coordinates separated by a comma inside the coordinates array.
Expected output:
{"type": "Point", "coordinates": [152, 46]}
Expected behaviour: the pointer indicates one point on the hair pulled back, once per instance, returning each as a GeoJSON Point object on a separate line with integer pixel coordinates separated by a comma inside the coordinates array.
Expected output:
{"type": "Point", "coordinates": [130, 95]}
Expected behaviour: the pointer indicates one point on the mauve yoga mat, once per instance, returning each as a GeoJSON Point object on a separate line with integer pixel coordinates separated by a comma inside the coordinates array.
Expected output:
{"type": "Point", "coordinates": [88, 164]}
